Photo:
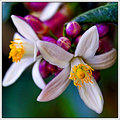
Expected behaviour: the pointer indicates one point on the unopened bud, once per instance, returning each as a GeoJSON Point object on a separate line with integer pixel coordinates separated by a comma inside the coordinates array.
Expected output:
{"type": "Point", "coordinates": [103, 29]}
{"type": "Point", "coordinates": [38, 26]}
{"type": "Point", "coordinates": [105, 45]}
{"type": "Point", "coordinates": [96, 75]}
{"type": "Point", "coordinates": [51, 68]}
{"type": "Point", "coordinates": [35, 6]}
{"type": "Point", "coordinates": [64, 42]}
{"type": "Point", "coordinates": [43, 69]}
{"type": "Point", "coordinates": [56, 23]}
{"type": "Point", "coordinates": [73, 29]}
{"type": "Point", "coordinates": [58, 71]}
{"type": "Point", "coordinates": [48, 39]}
{"type": "Point", "coordinates": [77, 39]}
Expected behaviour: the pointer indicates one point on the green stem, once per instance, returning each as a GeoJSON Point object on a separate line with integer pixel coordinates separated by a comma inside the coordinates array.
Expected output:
{"type": "Point", "coordinates": [52, 35]}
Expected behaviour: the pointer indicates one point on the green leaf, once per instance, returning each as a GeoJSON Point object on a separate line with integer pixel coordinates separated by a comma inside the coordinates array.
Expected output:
{"type": "Point", "coordinates": [64, 30]}
{"type": "Point", "coordinates": [106, 13]}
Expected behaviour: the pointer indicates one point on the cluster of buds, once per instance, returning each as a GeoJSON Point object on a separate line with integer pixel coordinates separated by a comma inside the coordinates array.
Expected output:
{"type": "Point", "coordinates": [55, 23]}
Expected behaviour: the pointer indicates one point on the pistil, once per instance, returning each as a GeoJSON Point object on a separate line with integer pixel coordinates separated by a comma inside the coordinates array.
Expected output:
{"type": "Point", "coordinates": [80, 74]}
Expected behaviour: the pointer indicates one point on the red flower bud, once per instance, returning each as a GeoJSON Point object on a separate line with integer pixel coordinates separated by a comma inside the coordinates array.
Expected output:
{"type": "Point", "coordinates": [64, 42]}
{"type": "Point", "coordinates": [73, 29]}
{"type": "Point", "coordinates": [37, 25]}
{"type": "Point", "coordinates": [48, 39]}
{"type": "Point", "coordinates": [43, 69]}
{"type": "Point", "coordinates": [77, 39]}
{"type": "Point", "coordinates": [51, 68]}
{"type": "Point", "coordinates": [56, 23]}
{"type": "Point", "coordinates": [102, 29]}
{"type": "Point", "coordinates": [105, 45]}
{"type": "Point", "coordinates": [96, 75]}
{"type": "Point", "coordinates": [58, 71]}
{"type": "Point", "coordinates": [35, 6]}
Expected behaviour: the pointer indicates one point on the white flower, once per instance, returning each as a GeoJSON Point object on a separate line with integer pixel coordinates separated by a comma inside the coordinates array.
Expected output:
{"type": "Point", "coordinates": [24, 50]}
{"type": "Point", "coordinates": [78, 64]}
{"type": "Point", "coordinates": [23, 53]}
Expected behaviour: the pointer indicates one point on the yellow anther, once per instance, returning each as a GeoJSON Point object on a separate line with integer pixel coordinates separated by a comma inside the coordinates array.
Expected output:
{"type": "Point", "coordinates": [80, 74]}
{"type": "Point", "coordinates": [16, 38]}
{"type": "Point", "coordinates": [17, 51]}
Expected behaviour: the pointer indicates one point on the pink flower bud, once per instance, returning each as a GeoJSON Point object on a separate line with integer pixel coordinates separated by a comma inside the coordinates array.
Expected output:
{"type": "Point", "coordinates": [58, 71]}
{"type": "Point", "coordinates": [105, 45]}
{"type": "Point", "coordinates": [48, 39]}
{"type": "Point", "coordinates": [37, 25]}
{"type": "Point", "coordinates": [51, 68]}
{"type": "Point", "coordinates": [64, 42]}
{"type": "Point", "coordinates": [56, 23]}
{"type": "Point", "coordinates": [73, 29]}
{"type": "Point", "coordinates": [101, 47]}
{"type": "Point", "coordinates": [35, 6]}
{"type": "Point", "coordinates": [77, 39]}
{"type": "Point", "coordinates": [96, 75]}
{"type": "Point", "coordinates": [43, 69]}
{"type": "Point", "coordinates": [22, 18]}
{"type": "Point", "coordinates": [102, 29]}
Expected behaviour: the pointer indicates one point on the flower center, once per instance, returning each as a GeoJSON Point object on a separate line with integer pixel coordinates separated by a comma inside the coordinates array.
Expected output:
{"type": "Point", "coordinates": [17, 51]}
{"type": "Point", "coordinates": [80, 74]}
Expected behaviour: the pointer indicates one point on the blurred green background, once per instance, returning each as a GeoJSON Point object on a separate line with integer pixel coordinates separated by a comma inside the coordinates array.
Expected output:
{"type": "Point", "coordinates": [19, 99]}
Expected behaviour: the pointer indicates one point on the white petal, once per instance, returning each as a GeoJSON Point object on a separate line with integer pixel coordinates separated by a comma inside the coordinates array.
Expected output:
{"type": "Point", "coordinates": [19, 38]}
{"type": "Point", "coordinates": [15, 70]}
{"type": "Point", "coordinates": [37, 78]}
{"type": "Point", "coordinates": [35, 51]}
{"type": "Point", "coordinates": [56, 86]}
{"type": "Point", "coordinates": [76, 61]}
{"type": "Point", "coordinates": [54, 54]}
{"type": "Point", "coordinates": [103, 61]}
{"type": "Point", "coordinates": [92, 96]}
{"type": "Point", "coordinates": [88, 43]}
{"type": "Point", "coordinates": [49, 11]}
{"type": "Point", "coordinates": [90, 93]}
{"type": "Point", "coordinates": [24, 28]}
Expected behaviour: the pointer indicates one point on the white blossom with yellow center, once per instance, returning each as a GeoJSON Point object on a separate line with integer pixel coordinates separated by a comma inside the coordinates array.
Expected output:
{"type": "Point", "coordinates": [24, 49]}
{"type": "Point", "coordinates": [78, 69]}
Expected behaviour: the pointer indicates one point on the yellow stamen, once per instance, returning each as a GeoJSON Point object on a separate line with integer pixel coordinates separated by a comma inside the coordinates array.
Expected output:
{"type": "Point", "coordinates": [80, 74]}
{"type": "Point", "coordinates": [17, 51]}
{"type": "Point", "coordinates": [16, 38]}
